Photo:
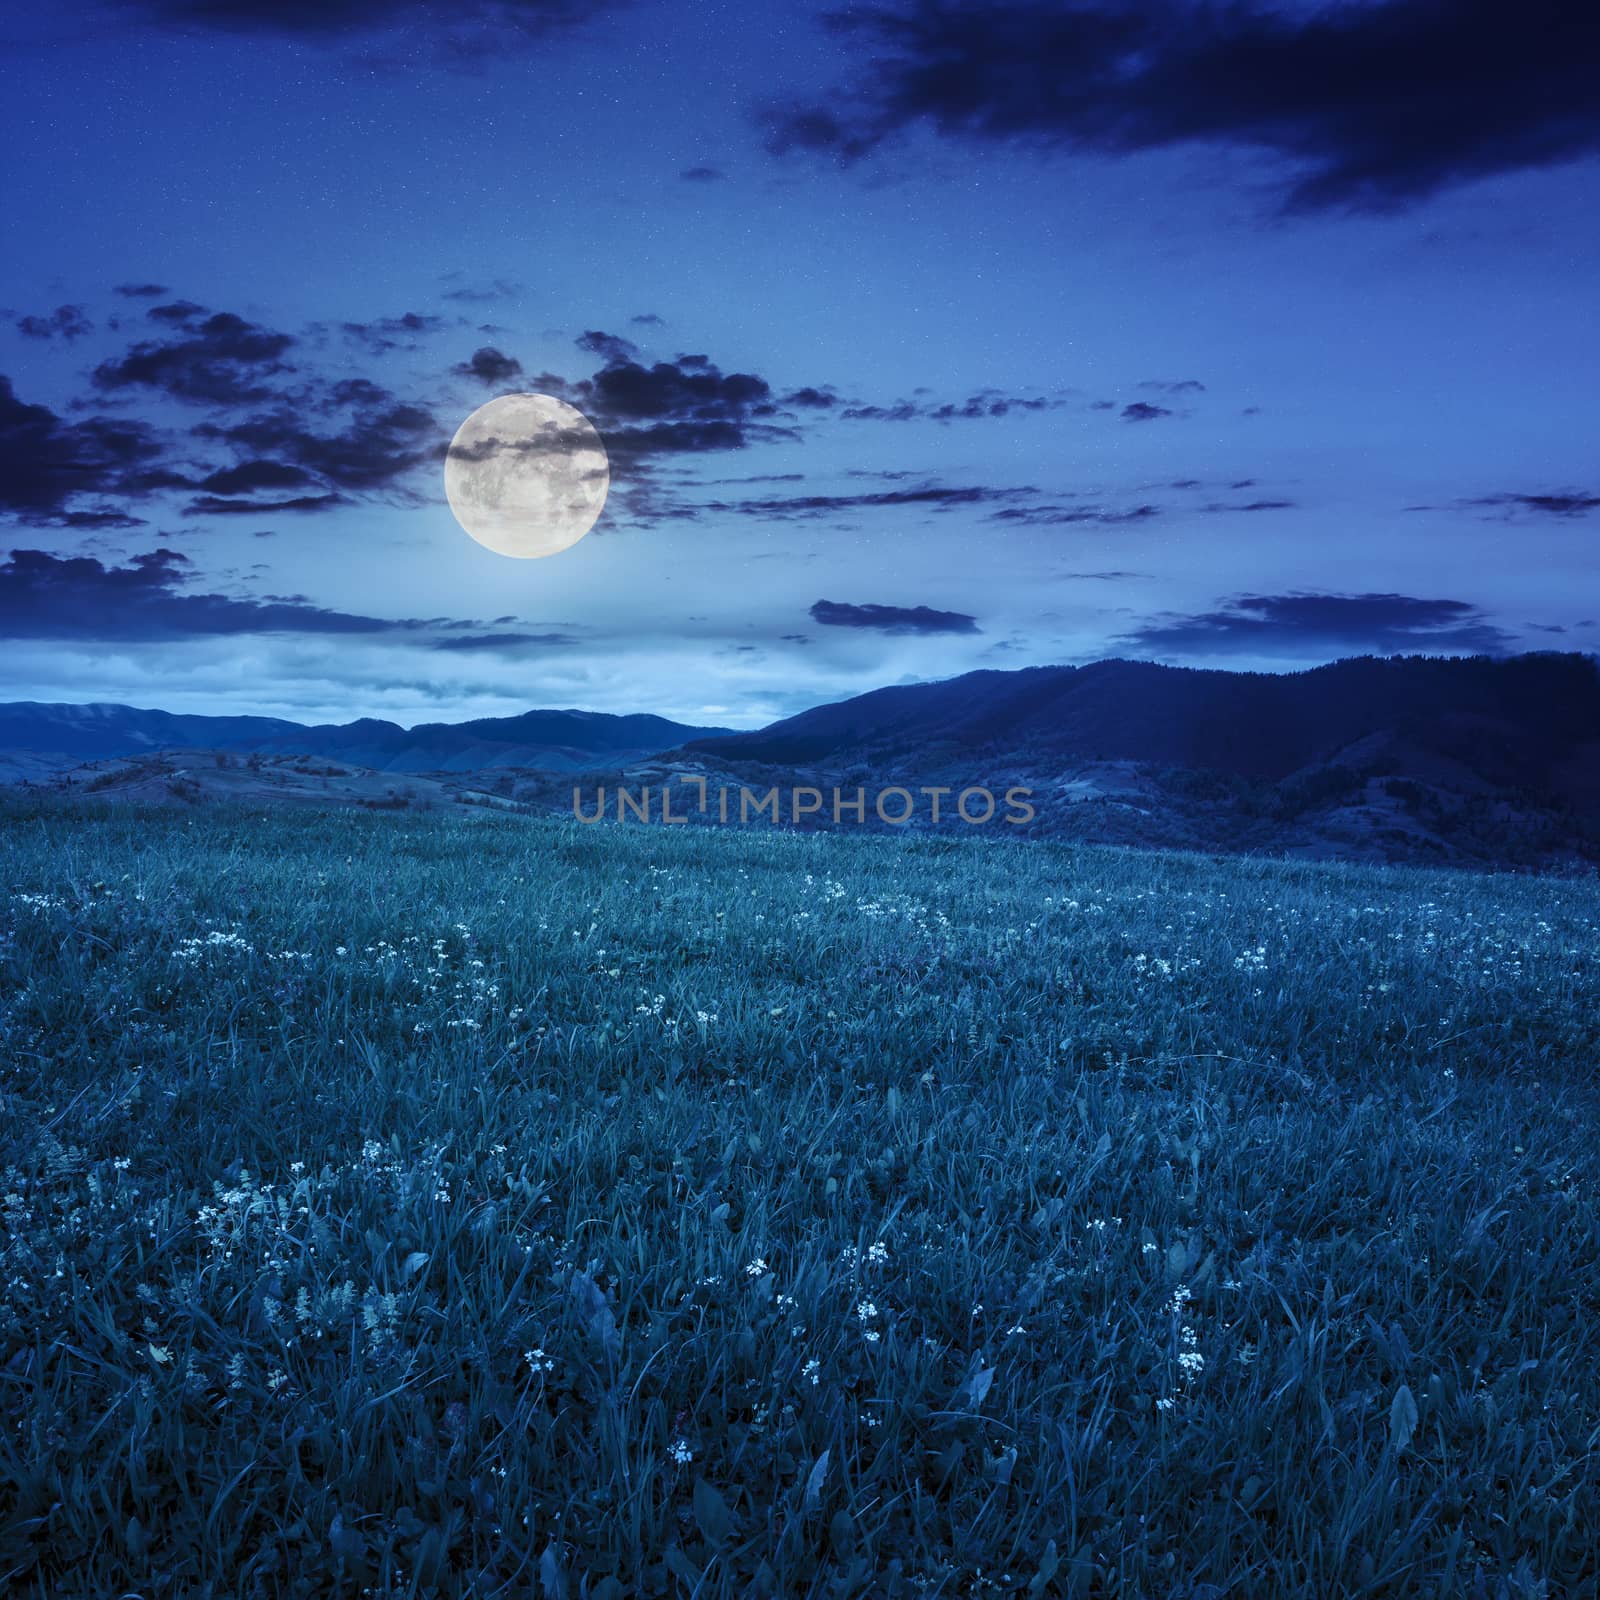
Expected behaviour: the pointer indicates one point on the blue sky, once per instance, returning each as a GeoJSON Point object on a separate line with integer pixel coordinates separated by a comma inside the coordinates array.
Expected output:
{"type": "Point", "coordinates": [1231, 372]}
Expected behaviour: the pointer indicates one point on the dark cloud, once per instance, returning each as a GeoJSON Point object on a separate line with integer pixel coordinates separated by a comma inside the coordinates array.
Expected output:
{"type": "Point", "coordinates": [210, 505]}
{"type": "Point", "coordinates": [648, 319]}
{"type": "Point", "coordinates": [900, 411]}
{"type": "Point", "coordinates": [179, 313]}
{"type": "Point", "coordinates": [147, 480]}
{"type": "Point", "coordinates": [222, 360]}
{"type": "Point", "coordinates": [1103, 577]}
{"type": "Point", "coordinates": [359, 392]}
{"type": "Point", "coordinates": [550, 440]}
{"type": "Point", "coordinates": [476, 294]}
{"type": "Point", "coordinates": [702, 174]}
{"type": "Point", "coordinates": [685, 406]}
{"type": "Point", "coordinates": [384, 334]}
{"type": "Point", "coordinates": [65, 322]}
{"type": "Point", "coordinates": [1370, 106]}
{"type": "Point", "coordinates": [382, 440]}
{"type": "Point", "coordinates": [1047, 516]}
{"type": "Point", "coordinates": [1143, 411]}
{"type": "Point", "coordinates": [1296, 624]}
{"type": "Point", "coordinates": [274, 427]}
{"type": "Point", "coordinates": [45, 460]}
{"type": "Point", "coordinates": [87, 521]}
{"type": "Point", "coordinates": [690, 405]}
{"type": "Point", "coordinates": [141, 291]}
{"type": "Point", "coordinates": [610, 347]}
{"type": "Point", "coordinates": [985, 403]}
{"type": "Point", "coordinates": [462, 32]}
{"type": "Point", "coordinates": [675, 438]}
{"type": "Point", "coordinates": [892, 619]}
{"type": "Point", "coordinates": [812, 398]}
{"type": "Point", "coordinates": [801, 507]}
{"type": "Point", "coordinates": [1571, 503]}
{"type": "Point", "coordinates": [1167, 386]}
{"type": "Point", "coordinates": [490, 367]}
{"type": "Point", "coordinates": [249, 477]}
{"type": "Point", "coordinates": [691, 388]}
{"type": "Point", "coordinates": [501, 641]}
{"type": "Point", "coordinates": [638, 498]}
{"type": "Point", "coordinates": [48, 597]}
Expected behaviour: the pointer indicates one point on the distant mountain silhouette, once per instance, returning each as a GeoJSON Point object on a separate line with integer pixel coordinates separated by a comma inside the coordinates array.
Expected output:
{"type": "Point", "coordinates": [552, 740]}
{"type": "Point", "coordinates": [1528, 721]}
{"type": "Point", "coordinates": [1472, 761]}
{"type": "Point", "coordinates": [1469, 760]}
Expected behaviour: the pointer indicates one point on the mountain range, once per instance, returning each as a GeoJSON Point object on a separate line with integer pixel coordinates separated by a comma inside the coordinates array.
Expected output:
{"type": "Point", "coordinates": [560, 741]}
{"type": "Point", "coordinates": [1465, 760]}
{"type": "Point", "coordinates": [1529, 722]}
{"type": "Point", "coordinates": [1488, 761]}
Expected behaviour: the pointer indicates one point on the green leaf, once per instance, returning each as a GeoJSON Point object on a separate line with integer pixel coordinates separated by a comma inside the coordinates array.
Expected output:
{"type": "Point", "coordinates": [1048, 1563]}
{"type": "Point", "coordinates": [682, 1566]}
{"type": "Point", "coordinates": [814, 1481]}
{"type": "Point", "coordinates": [552, 1580]}
{"type": "Point", "coordinates": [971, 1394]}
{"type": "Point", "coordinates": [1402, 1418]}
{"type": "Point", "coordinates": [712, 1515]}
{"type": "Point", "coordinates": [432, 1549]}
{"type": "Point", "coordinates": [413, 1264]}
{"type": "Point", "coordinates": [595, 1312]}
{"type": "Point", "coordinates": [842, 1532]}
{"type": "Point", "coordinates": [346, 1543]}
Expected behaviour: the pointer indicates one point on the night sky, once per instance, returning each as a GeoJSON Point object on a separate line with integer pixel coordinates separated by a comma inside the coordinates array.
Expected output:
{"type": "Point", "coordinates": [921, 338]}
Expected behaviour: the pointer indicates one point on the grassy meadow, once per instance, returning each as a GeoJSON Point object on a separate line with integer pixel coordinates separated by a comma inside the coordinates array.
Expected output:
{"type": "Point", "coordinates": [408, 1205]}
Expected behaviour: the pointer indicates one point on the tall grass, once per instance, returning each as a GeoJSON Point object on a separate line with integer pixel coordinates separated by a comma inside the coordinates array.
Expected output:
{"type": "Point", "coordinates": [412, 1206]}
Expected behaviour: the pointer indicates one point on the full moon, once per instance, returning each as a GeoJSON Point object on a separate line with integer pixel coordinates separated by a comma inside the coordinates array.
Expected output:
{"type": "Point", "coordinates": [526, 475]}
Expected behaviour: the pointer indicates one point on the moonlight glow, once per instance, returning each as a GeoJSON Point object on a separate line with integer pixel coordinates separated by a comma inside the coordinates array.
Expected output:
{"type": "Point", "coordinates": [526, 475]}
